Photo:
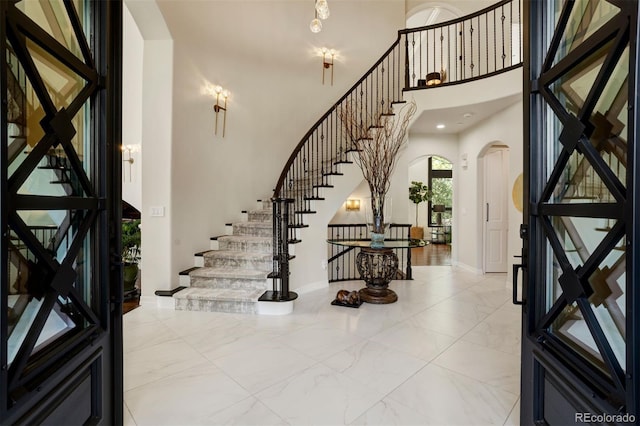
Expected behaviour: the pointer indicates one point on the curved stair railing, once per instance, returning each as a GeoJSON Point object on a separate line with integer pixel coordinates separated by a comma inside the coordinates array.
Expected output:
{"type": "Point", "coordinates": [476, 46]}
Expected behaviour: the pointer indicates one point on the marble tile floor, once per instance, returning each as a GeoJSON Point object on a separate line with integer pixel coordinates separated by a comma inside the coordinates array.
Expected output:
{"type": "Point", "coordinates": [447, 353]}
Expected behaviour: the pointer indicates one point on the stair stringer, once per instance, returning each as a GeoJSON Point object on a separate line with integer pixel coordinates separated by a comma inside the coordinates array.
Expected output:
{"type": "Point", "coordinates": [309, 267]}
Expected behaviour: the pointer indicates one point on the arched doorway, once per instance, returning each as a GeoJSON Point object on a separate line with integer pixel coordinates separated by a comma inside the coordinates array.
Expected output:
{"type": "Point", "coordinates": [434, 216]}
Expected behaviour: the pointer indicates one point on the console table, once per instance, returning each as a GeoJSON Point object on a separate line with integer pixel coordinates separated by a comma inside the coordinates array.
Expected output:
{"type": "Point", "coordinates": [378, 266]}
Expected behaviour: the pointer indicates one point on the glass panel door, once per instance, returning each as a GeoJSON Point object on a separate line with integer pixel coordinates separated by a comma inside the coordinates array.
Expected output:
{"type": "Point", "coordinates": [61, 286]}
{"type": "Point", "coordinates": [578, 336]}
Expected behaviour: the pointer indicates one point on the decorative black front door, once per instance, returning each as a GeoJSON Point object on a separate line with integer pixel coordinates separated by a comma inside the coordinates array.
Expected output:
{"type": "Point", "coordinates": [60, 329]}
{"type": "Point", "coordinates": [581, 329]}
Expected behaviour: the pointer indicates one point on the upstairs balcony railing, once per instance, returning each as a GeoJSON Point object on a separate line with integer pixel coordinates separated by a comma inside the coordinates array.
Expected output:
{"type": "Point", "coordinates": [480, 45]}
{"type": "Point", "coordinates": [476, 46]}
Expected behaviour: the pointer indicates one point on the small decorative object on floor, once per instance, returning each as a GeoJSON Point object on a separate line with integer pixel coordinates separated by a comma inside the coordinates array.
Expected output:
{"type": "Point", "coordinates": [347, 298]}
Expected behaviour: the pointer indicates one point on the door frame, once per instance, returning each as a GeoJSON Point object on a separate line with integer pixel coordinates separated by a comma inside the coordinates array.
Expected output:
{"type": "Point", "coordinates": [535, 354]}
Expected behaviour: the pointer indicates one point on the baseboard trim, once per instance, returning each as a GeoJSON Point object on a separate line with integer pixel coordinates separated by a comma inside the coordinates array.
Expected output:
{"type": "Point", "coordinates": [308, 288]}
{"type": "Point", "coordinates": [158, 302]}
{"type": "Point", "coordinates": [467, 268]}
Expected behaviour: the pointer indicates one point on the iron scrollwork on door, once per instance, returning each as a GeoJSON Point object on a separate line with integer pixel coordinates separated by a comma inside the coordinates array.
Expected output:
{"type": "Point", "coordinates": [51, 192]}
{"type": "Point", "coordinates": [582, 207]}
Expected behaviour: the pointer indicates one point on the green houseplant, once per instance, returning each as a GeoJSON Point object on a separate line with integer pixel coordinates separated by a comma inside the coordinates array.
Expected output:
{"type": "Point", "coordinates": [131, 238]}
{"type": "Point", "coordinates": [418, 193]}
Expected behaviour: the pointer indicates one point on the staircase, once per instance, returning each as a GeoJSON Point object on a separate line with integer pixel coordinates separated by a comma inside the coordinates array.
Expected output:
{"type": "Point", "coordinates": [234, 276]}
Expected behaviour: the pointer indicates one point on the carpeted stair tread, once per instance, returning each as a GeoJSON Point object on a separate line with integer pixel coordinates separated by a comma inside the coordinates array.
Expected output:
{"type": "Point", "coordinates": [234, 254]}
{"type": "Point", "coordinates": [248, 238]}
{"type": "Point", "coordinates": [246, 274]}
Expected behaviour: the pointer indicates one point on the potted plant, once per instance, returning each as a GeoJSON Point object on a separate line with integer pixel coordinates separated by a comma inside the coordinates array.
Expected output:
{"type": "Point", "coordinates": [131, 238]}
{"type": "Point", "coordinates": [418, 193]}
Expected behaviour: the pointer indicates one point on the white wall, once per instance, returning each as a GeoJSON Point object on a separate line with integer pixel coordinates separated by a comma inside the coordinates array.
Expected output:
{"type": "Point", "coordinates": [156, 144]}
{"type": "Point", "coordinates": [274, 78]}
{"type": "Point", "coordinates": [132, 83]}
{"type": "Point", "coordinates": [503, 128]}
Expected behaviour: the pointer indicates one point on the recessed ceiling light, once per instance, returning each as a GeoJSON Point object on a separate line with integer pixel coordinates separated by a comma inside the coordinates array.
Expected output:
{"type": "Point", "coordinates": [468, 115]}
{"type": "Point", "coordinates": [440, 126]}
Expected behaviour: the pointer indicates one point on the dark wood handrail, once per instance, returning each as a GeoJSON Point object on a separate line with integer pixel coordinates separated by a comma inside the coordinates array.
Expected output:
{"type": "Point", "coordinates": [307, 135]}
{"type": "Point", "coordinates": [456, 20]}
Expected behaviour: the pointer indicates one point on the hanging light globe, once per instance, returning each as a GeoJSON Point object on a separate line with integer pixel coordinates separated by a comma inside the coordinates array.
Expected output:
{"type": "Point", "coordinates": [322, 7]}
{"type": "Point", "coordinates": [315, 25]}
{"type": "Point", "coordinates": [324, 13]}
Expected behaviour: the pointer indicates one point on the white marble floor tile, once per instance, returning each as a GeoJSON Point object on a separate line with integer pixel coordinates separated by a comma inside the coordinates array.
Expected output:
{"type": "Point", "coordinates": [143, 335]}
{"type": "Point", "coordinates": [472, 311]}
{"type": "Point", "coordinates": [376, 365]}
{"type": "Point", "coordinates": [388, 412]}
{"type": "Point", "coordinates": [247, 412]}
{"type": "Point", "coordinates": [218, 342]}
{"type": "Point", "coordinates": [443, 322]}
{"type": "Point", "coordinates": [140, 315]}
{"type": "Point", "coordinates": [190, 397]}
{"type": "Point", "coordinates": [127, 419]}
{"type": "Point", "coordinates": [514, 416]}
{"type": "Point", "coordinates": [320, 341]}
{"type": "Point", "coordinates": [319, 396]}
{"type": "Point", "coordinates": [193, 322]}
{"type": "Point", "coordinates": [152, 363]}
{"type": "Point", "coordinates": [499, 369]}
{"type": "Point", "coordinates": [489, 297]}
{"type": "Point", "coordinates": [380, 364]}
{"type": "Point", "coordinates": [263, 365]}
{"type": "Point", "coordinates": [444, 397]}
{"type": "Point", "coordinates": [414, 340]}
{"type": "Point", "coordinates": [501, 331]}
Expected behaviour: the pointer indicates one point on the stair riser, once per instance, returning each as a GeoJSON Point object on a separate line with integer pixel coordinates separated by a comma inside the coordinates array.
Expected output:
{"type": "Point", "coordinates": [216, 306]}
{"type": "Point", "coordinates": [230, 283]}
{"type": "Point", "coordinates": [246, 246]}
{"type": "Point", "coordinates": [265, 205]}
{"type": "Point", "coordinates": [223, 262]}
{"type": "Point", "coordinates": [260, 216]}
{"type": "Point", "coordinates": [255, 231]}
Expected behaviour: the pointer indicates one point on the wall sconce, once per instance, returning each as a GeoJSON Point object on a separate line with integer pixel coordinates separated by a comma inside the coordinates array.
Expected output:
{"type": "Point", "coordinates": [352, 205]}
{"type": "Point", "coordinates": [220, 92]}
{"type": "Point", "coordinates": [128, 149]}
{"type": "Point", "coordinates": [326, 63]}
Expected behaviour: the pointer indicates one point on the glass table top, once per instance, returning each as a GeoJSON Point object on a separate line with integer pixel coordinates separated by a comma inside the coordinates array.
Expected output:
{"type": "Point", "coordinates": [412, 243]}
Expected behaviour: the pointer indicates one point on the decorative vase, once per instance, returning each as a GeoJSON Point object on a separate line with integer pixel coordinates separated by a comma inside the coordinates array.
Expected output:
{"type": "Point", "coordinates": [378, 214]}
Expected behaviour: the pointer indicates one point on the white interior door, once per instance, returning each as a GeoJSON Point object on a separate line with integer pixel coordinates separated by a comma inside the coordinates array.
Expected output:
{"type": "Point", "coordinates": [495, 210]}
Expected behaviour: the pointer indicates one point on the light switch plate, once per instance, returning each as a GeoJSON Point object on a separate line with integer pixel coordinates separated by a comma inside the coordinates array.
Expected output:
{"type": "Point", "coordinates": [157, 211]}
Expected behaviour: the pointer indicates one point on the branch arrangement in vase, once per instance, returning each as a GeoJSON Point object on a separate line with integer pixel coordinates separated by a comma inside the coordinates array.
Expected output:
{"type": "Point", "coordinates": [377, 139]}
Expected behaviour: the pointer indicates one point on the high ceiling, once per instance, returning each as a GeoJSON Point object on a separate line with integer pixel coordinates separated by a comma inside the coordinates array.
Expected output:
{"type": "Point", "coordinates": [461, 118]}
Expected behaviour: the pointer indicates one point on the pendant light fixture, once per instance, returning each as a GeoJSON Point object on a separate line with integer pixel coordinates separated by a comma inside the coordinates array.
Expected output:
{"type": "Point", "coordinates": [321, 12]}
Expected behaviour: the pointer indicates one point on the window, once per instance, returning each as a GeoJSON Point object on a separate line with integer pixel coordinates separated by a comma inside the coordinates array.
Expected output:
{"type": "Point", "coordinates": [440, 182]}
